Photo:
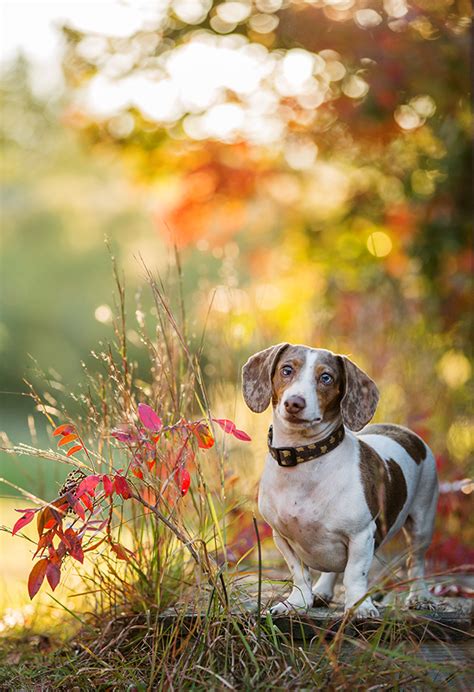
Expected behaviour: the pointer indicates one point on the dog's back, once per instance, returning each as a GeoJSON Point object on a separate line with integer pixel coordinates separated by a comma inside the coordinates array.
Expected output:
{"type": "Point", "coordinates": [408, 475]}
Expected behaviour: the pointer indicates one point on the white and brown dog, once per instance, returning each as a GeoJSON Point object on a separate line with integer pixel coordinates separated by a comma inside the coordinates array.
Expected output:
{"type": "Point", "coordinates": [333, 497]}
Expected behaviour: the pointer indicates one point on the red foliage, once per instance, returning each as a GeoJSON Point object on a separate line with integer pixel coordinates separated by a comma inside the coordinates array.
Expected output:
{"type": "Point", "coordinates": [66, 439]}
{"type": "Point", "coordinates": [74, 544]}
{"type": "Point", "coordinates": [149, 418]}
{"type": "Point", "coordinates": [121, 552]}
{"type": "Point", "coordinates": [53, 574]}
{"type": "Point", "coordinates": [68, 434]}
{"type": "Point", "coordinates": [203, 435]}
{"type": "Point", "coordinates": [88, 485]}
{"type": "Point", "coordinates": [37, 576]}
{"type": "Point", "coordinates": [108, 485]}
{"type": "Point", "coordinates": [64, 429]}
{"type": "Point", "coordinates": [122, 487]}
{"type": "Point", "coordinates": [24, 520]}
{"type": "Point", "coordinates": [183, 480]}
{"type": "Point", "coordinates": [450, 552]}
{"type": "Point", "coordinates": [73, 450]}
{"type": "Point", "coordinates": [88, 498]}
{"type": "Point", "coordinates": [229, 427]}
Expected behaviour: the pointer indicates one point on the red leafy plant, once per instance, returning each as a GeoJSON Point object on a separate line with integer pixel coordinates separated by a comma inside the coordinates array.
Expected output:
{"type": "Point", "coordinates": [80, 519]}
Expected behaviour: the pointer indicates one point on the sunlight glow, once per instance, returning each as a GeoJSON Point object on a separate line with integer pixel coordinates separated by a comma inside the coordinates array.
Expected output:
{"type": "Point", "coordinates": [395, 8]}
{"type": "Point", "coordinates": [454, 369]}
{"type": "Point", "coordinates": [197, 77]}
{"type": "Point", "coordinates": [367, 19]}
{"type": "Point", "coordinates": [296, 69]}
{"type": "Point", "coordinates": [209, 79]}
{"type": "Point", "coordinates": [355, 87]}
{"type": "Point", "coordinates": [379, 244]}
{"type": "Point", "coordinates": [191, 12]}
{"type": "Point", "coordinates": [460, 438]}
{"type": "Point", "coordinates": [103, 314]}
{"type": "Point", "coordinates": [407, 118]}
{"type": "Point", "coordinates": [234, 12]}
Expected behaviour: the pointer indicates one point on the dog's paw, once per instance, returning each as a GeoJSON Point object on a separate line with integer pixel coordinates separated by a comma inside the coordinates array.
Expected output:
{"type": "Point", "coordinates": [422, 601]}
{"type": "Point", "coordinates": [286, 607]}
{"type": "Point", "coordinates": [365, 610]}
{"type": "Point", "coordinates": [321, 600]}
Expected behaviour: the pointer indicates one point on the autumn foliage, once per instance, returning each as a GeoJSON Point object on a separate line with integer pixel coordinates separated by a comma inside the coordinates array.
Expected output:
{"type": "Point", "coordinates": [80, 520]}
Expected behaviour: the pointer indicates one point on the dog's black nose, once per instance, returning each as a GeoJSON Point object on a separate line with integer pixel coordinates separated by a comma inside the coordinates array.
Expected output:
{"type": "Point", "coordinates": [295, 404]}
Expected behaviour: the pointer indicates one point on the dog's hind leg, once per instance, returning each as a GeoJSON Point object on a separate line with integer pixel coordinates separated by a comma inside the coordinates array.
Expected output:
{"type": "Point", "coordinates": [300, 597]}
{"type": "Point", "coordinates": [418, 530]}
{"type": "Point", "coordinates": [323, 589]}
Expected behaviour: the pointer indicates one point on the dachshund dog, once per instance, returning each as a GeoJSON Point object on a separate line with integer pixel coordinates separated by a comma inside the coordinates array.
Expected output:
{"type": "Point", "coordinates": [334, 489]}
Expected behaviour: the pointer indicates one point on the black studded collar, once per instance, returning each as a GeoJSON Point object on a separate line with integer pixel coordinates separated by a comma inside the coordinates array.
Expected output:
{"type": "Point", "coordinates": [292, 456]}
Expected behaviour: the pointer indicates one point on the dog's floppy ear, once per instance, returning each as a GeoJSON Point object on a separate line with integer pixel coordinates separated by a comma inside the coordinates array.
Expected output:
{"type": "Point", "coordinates": [257, 376]}
{"type": "Point", "coordinates": [360, 398]}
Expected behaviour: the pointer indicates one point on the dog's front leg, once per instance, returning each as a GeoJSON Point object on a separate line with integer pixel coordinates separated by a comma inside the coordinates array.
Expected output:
{"type": "Point", "coordinates": [301, 597]}
{"type": "Point", "coordinates": [360, 555]}
{"type": "Point", "coordinates": [323, 590]}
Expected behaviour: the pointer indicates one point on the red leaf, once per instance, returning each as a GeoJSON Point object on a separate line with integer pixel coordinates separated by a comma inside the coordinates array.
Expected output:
{"type": "Point", "coordinates": [136, 470]}
{"type": "Point", "coordinates": [203, 434]}
{"type": "Point", "coordinates": [66, 439]}
{"type": "Point", "coordinates": [151, 464]}
{"type": "Point", "coordinates": [45, 541]}
{"type": "Point", "coordinates": [75, 549]}
{"type": "Point", "coordinates": [64, 429]}
{"type": "Point", "coordinates": [121, 487]}
{"type": "Point", "coordinates": [241, 435]}
{"type": "Point", "coordinates": [73, 450]}
{"type": "Point", "coordinates": [149, 418]}
{"type": "Point", "coordinates": [120, 551]}
{"type": "Point", "coordinates": [124, 434]}
{"type": "Point", "coordinates": [85, 499]}
{"type": "Point", "coordinates": [184, 481]}
{"type": "Point", "coordinates": [24, 520]}
{"type": "Point", "coordinates": [48, 517]}
{"type": "Point", "coordinates": [37, 576]}
{"type": "Point", "coordinates": [51, 523]}
{"type": "Point", "coordinates": [108, 485]}
{"type": "Point", "coordinates": [88, 485]}
{"type": "Point", "coordinates": [79, 510]}
{"type": "Point", "coordinates": [53, 574]}
{"type": "Point", "coordinates": [226, 425]}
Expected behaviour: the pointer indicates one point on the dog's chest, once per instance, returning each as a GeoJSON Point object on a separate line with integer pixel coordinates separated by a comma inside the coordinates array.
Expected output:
{"type": "Point", "coordinates": [314, 506]}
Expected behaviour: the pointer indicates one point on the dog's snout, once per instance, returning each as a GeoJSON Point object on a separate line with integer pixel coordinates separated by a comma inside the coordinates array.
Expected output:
{"type": "Point", "coordinates": [295, 404]}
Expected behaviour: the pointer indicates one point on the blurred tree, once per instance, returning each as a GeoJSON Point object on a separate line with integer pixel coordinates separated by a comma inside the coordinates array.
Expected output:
{"type": "Point", "coordinates": [310, 159]}
{"type": "Point", "coordinates": [318, 150]}
{"type": "Point", "coordinates": [57, 206]}
{"type": "Point", "coordinates": [319, 124]}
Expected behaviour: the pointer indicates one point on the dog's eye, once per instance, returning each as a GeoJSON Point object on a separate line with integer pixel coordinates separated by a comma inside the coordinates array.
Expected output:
{"type": "Point", "coordinates": [326, 378]}
{"type": "Point", "coordinates": [286, 370]}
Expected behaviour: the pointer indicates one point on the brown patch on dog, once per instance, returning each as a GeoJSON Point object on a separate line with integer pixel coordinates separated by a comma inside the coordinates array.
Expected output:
{"type": "Point", "coordinates": [385, 489]}
{"type": "Point", "coordinates": [411, 443]}
{"type": "Point", "coordinates": [294, 356]}
{"type": "Point", "coordinates": [329, 396]}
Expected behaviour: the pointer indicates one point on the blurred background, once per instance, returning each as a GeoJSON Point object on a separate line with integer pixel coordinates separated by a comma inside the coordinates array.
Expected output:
{"type": "Point", "coordinates": [310, 162]}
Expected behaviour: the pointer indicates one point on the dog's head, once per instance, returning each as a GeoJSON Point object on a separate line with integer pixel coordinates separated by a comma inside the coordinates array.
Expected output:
{"type": "Point", "coordinates": [309, 386]}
